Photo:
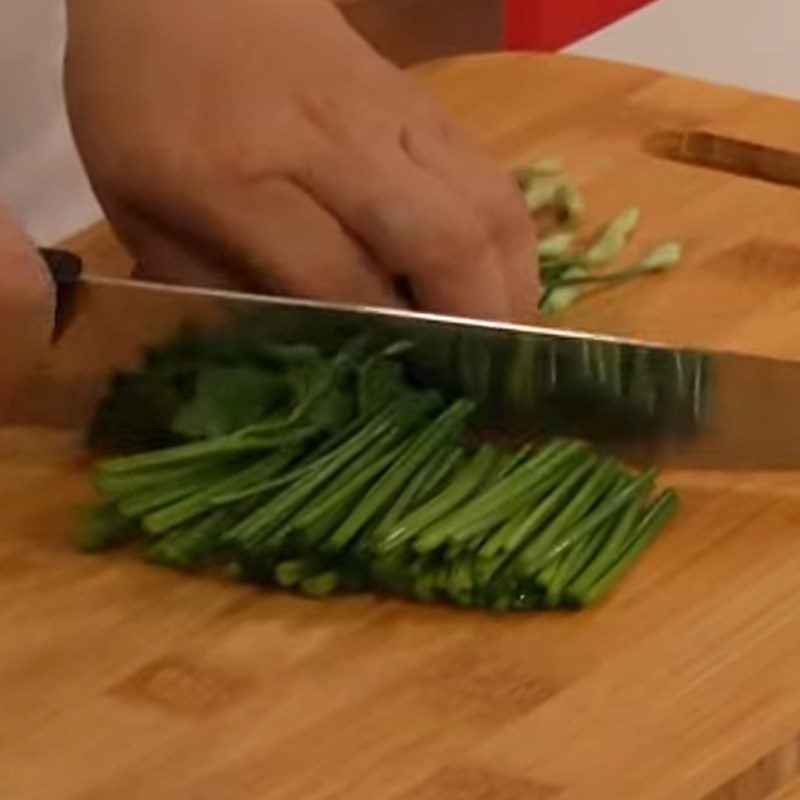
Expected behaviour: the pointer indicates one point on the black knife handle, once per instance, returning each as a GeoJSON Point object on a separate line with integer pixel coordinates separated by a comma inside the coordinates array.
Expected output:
{"type": "Point", "coordinates": [65, 270]}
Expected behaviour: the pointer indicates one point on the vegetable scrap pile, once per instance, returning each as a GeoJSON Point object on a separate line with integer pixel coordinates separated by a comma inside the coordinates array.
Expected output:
{"type": "Point", "coordinates": [320, 471]}
{"type": "Point", "coordinates": [568, 272]}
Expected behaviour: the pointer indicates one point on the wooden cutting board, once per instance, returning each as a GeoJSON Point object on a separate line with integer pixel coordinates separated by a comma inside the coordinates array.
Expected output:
{"type": "Point", "coordinates": [118, 679]}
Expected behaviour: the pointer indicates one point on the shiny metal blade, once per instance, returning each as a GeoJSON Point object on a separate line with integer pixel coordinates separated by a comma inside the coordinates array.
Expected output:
{"type": "Point", "coordinates": [641, 401]}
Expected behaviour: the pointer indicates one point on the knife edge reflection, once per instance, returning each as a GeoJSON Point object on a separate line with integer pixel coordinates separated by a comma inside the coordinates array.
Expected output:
{"type": "Point", "coordinates": [644, 402]}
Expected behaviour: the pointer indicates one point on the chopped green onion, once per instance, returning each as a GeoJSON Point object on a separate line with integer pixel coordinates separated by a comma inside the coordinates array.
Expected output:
{"type": "Point", "coordinates": [613, 238]}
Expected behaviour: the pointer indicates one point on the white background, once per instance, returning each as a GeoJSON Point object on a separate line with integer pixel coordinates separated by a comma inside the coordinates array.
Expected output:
{"type": "Point", "coordinates": [749, 43]}
{"type": "Point", "coordinates": [40, 176]}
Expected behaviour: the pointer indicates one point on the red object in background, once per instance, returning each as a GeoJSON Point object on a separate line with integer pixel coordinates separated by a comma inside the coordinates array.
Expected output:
{"type": "Point", "coordinates": [553, 24]}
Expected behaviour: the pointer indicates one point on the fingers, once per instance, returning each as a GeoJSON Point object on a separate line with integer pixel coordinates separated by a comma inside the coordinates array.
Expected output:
{"type": "Point", "coordinates": [168, 256]}
{"type": "Point", "coordinates": [27, 305]}
{"type": "Point", "coordinates": [417, 228]}
{"type": "Point", "coordinates": [23, 274]}
{"type": "Point", "coordinates": [496, 201]}
{"type": "Point", "coordinates": [272, 237]}
{"type": "Point", "coordinates": [170, 260]}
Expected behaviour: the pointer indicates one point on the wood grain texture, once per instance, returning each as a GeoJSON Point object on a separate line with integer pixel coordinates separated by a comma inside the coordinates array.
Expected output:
{"type": "Point", "coordinates": [121, 680]}
{"type": "Point", "coordinates": [788, 792]}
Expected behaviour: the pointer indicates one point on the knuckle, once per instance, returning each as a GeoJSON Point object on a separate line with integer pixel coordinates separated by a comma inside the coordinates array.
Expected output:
{"type": "Point", "coordinates": [327, 115]}
{"type": "Point", "coordinates": [239, 162]}
{"type": "Point", "coordinates": [437, 120]}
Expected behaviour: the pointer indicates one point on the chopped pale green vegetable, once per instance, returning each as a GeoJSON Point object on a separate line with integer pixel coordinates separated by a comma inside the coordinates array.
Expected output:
{"type": "Point", "coordinates": [549, 165]}
{"type": "Point", "coordinates": [566, 275]}
{"type": "Point", "coordinates": [562, 294]}
{"type": "Point", "coordinates": [662, 256]}
{"type": "Point", "coordinates": [556, 245]}
{"type": "Point", "coordinates": [613, 238]}
{"type": "Point", "coordinates": [659, 259]}
{"type": "Point", "coordinates": [570, 201]}
{"type": "Point", "coordinates": [525, 174]}
{"type": "Point", "coordinates": [540, 194]}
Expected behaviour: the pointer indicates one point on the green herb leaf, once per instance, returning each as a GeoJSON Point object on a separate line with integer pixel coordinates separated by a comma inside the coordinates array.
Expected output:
{"type": "Point", "coordinates": [227, 399]}
{"type": "Point", "coordinates": [136, 414]}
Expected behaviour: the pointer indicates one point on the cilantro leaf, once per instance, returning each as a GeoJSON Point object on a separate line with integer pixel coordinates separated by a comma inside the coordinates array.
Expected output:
{"type": "Point", "coordinates": [227, 399]}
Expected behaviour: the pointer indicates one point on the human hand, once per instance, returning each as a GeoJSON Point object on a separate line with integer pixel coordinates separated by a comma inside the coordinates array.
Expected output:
{"type": "Point", "coordinates": [261, 144]}
{"type": "Point", "coordinates": [27, 306]}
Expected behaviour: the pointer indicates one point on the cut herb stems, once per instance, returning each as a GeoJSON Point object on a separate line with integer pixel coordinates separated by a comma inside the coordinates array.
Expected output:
{"type": "Point", "coordinates": [369, 484]}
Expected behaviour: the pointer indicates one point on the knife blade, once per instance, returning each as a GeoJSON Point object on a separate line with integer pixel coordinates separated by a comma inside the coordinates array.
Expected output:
{"type": "Point", "coordinates": [642, 401]}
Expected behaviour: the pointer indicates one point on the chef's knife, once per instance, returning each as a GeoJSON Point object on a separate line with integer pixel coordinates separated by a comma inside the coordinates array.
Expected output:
{"type": "Point", "coordinates": [638, 400]}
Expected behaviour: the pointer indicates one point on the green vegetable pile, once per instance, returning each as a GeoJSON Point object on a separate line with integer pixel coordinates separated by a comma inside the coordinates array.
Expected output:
{"type": "Point", "coordinates": [332, 470]}
{"type": "Point", "coordinates": [568, 273]}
